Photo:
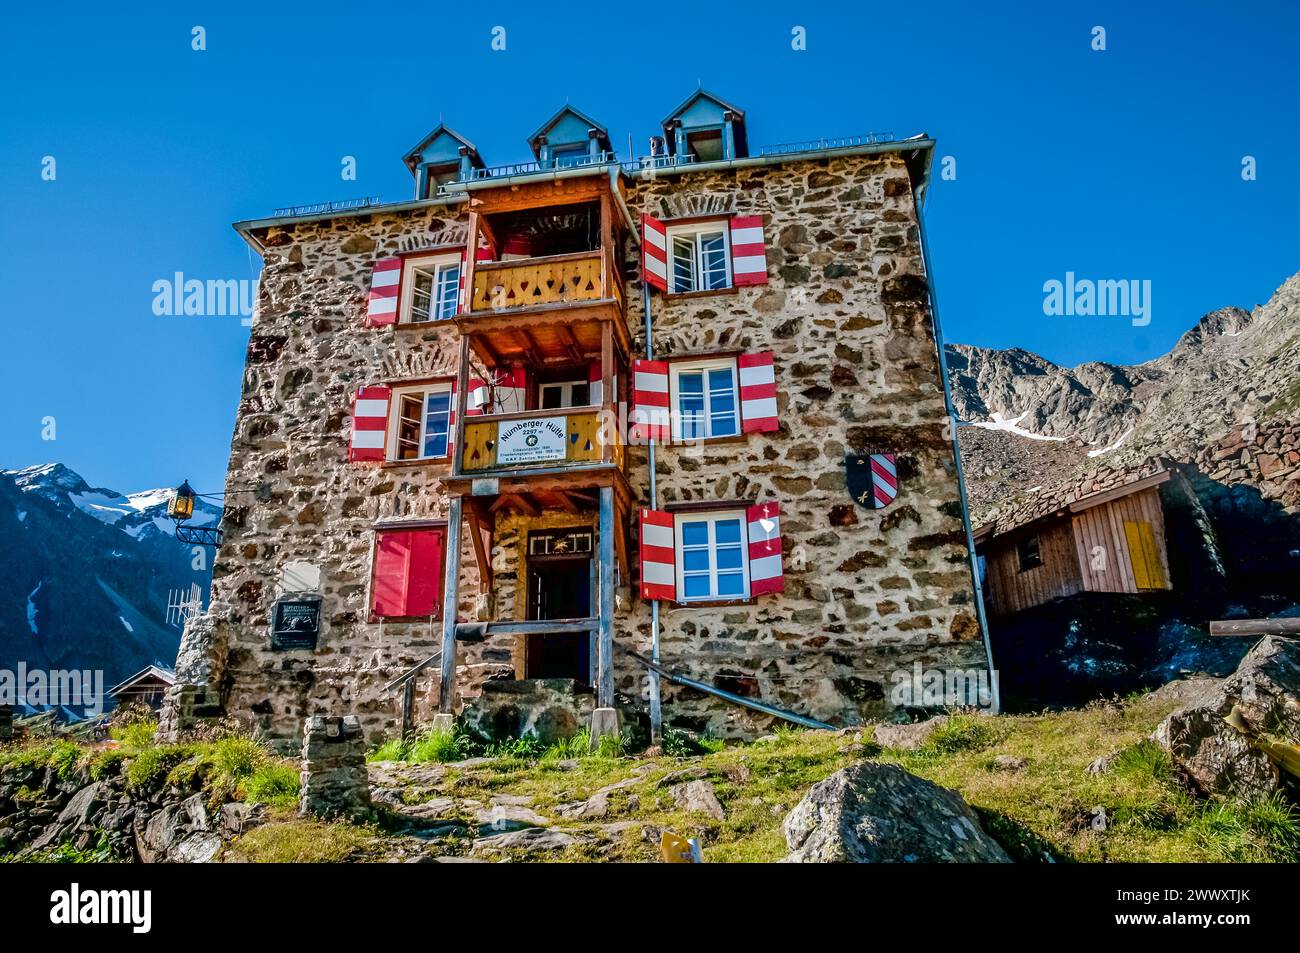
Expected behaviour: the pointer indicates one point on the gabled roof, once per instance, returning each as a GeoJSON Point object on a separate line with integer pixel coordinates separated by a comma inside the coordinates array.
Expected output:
{"type": "Point", "coordinates": [554, 121]}
{"type": "Point", "coordinates": [1074, 495]}
{"type": "Point", "coordinates": [737, 126]}
{"type": "Point", "coordinates": [686, 104]}
{"type": "Point", "coordinates": [439, 130]}
{"type": "Point", "coordinates": [149, 671]}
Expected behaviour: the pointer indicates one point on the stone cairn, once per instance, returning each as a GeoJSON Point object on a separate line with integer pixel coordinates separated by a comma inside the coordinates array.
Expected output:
{"type": "Point", "coordinates": [334, 779]}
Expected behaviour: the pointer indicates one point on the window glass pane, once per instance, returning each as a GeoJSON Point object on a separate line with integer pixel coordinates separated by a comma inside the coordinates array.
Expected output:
{"type": "Point", "coordinates": [690, 404]}
{"type": "Point", "coordinates": [448, 290]}
{"type": "Point", "coordinates": [722, 403]}
{"type": "Point", "coordinates": [581, 396]}
{"type": "Point", "coordinates": [408, 428]}
{"type": "Point", "coordinates": [683, 263]}
{"type": "Point", "coordinates": [728, 531]}
{"type": "Point", "coordinates": [695, 560]}
{"type": "Point", "coordinates": [731, 584]}
{"type": "Point", "coordinates": [437, 414]}
{"type": "Point", "coordinates": [697, 587]}
{"type": "Point", "coordinates": [695, 533]}
{"type": "Point", "coordinates": [422, 296]}
{"type": "Point", "coordinates": [551, 395]}
{"type": "Point", "coordinates": [729, 557]}
{"type": "Point", "coordinates": [713, 261]}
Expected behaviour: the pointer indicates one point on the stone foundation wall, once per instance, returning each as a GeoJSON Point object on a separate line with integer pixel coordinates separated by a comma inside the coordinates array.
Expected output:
{"type": "Point", "coordinates": [867, 592]}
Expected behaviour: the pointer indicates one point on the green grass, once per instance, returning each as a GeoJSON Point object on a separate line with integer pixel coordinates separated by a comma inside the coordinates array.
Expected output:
{"type": "Point", "coordinates": [297, 841]}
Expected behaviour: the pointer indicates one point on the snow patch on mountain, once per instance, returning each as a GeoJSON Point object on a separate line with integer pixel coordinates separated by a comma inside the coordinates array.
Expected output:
{"type": "Point", "coordinates": [1011, 425]}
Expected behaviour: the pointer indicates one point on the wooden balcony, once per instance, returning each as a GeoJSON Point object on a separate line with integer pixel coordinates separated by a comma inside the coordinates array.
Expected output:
{"type": "Point", "coordinates": [538, 440]}
{"type": "Point", "coordinates": [537, 282]}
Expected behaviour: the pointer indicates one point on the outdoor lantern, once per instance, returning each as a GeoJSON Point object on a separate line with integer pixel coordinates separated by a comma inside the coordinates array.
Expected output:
{"type": "Point", "coordinates": [181, 506]}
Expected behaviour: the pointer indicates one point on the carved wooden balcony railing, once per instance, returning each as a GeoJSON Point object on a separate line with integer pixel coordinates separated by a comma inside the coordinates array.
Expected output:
{"type": "Point", "coordinates": [534, 439]}
{"type": "Point", "coordinates": [529, 282]}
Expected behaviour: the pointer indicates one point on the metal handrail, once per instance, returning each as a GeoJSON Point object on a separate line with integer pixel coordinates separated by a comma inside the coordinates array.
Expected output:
{"type": "Point", "coordinates": [339, 206]}
{"type": "Point", "coordinates": [413, 671]}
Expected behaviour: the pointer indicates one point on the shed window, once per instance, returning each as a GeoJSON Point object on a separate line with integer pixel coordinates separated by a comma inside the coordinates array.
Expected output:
{"type": "Point", "coordinates": [1028, 553]}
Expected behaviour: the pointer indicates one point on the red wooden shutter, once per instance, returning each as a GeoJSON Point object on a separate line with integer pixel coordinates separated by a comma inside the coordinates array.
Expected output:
{"type": "Point", "coordinates": [392, 555]}
{"type": "Point", "coordinates": [748, 253]}
{"type": "Point", "coordinates": [385, 281]}
{"type": "Point", "coordinates": [424, 573]}
{"type": "Point", "coordinates": [757, 392]}
{"type": "Point", "coordinates": [654, 253]}
{"type": "Point", "coordinates": [369, 423]}
{"type": "Point", "coordinates": [658, 555]}
{"type": "Point", "coordinates": [650, 416]}
{"type": "Point", "coordinates": [765, 573]}
{"type": "Point", "coordinates": [408, 573]}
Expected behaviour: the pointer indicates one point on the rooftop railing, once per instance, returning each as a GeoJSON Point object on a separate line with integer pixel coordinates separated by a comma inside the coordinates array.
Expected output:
{"type": "Point", "coordinates": [342, 206]}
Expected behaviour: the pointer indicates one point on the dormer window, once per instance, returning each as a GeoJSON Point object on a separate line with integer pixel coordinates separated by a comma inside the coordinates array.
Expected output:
{"type": "Point", "coordinates": [569, 154]}
{"type": "Point", "coordinates": [701, 257]}
{"type": "Point", "coordinates": [432, 289]}
{"type": "Point", "coordinates": [706, 145]}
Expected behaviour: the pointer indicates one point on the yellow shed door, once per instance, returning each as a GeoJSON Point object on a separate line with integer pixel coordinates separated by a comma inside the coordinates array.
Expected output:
{"type": "Point", "coordinates": [1148, 570]}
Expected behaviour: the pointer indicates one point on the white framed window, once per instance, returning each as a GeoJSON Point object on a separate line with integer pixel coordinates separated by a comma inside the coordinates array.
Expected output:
{"type": "Point", "coordinates": [712, 556]}
{"type": "Point", "coordinates": [700, 256]}
{"type": "Point", "coordinates": [560, 394]}
{"type": "Point", "coordinates": [420, 428]}
{"type": "Point", "coordinates": [432, 288]}
{"type": "Point", "coordinates": [704, 398]}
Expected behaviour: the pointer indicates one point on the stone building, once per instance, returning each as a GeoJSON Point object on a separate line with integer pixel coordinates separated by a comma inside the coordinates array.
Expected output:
{"type": "Point", "coordinates": [440, 474]}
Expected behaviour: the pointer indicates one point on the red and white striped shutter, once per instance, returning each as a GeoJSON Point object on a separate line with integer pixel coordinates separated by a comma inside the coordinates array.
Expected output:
{"type": "Point", "coordinates": [658, 560]}
{"type": "Point", "coordinates": [757, 392]}
{"type": "Point", "coordinates": [765, 574]}
{"type": "Point", "coordinates": [595, 384]}
{"type": "Point", "coordinates": [385, 281]}
{"type": "Point", "coordinates": [478, 392]}
{"type": "Point", "coordinates": [369, 423]}
{"type": "Point", "coordinates": [650, 415]}
{"type": "Point", "coordinates": [748, 252]}
{"type": "Point", "coordinates": [512, 393]}
{"type": "Point", "coordinates": [654, 253]}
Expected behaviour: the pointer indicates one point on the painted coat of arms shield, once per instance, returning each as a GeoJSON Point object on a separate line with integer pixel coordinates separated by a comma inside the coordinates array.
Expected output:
{"type": "Point", "coordinates": [872, 479]}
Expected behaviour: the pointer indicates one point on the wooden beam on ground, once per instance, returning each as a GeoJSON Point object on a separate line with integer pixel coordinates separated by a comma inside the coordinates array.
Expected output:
{"type": "Point", "coordinates": [1256, 627]}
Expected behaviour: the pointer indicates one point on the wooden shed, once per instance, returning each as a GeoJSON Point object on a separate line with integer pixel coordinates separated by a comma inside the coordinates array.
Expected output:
{"type": "Point", "coordinates": [1107, 540]}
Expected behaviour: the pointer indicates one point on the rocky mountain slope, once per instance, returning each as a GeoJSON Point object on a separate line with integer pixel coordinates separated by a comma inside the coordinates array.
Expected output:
{"type": "Point", "coordinates": [85, 573]}
{"type": "Point", "coordinates": [1233, 369]}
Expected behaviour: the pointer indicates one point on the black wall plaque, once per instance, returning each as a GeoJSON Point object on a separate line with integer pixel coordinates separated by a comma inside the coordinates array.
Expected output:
{"type": "Point", "coordinates": [295, 623]}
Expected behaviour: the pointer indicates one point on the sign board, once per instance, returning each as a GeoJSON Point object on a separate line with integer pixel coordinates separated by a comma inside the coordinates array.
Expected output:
{"type": "Point", "coordinates": [676, 849]}
{"type": "Point", "coordinates": [295, 623]}
{"type": "Point", "coordinates": [531, 441]}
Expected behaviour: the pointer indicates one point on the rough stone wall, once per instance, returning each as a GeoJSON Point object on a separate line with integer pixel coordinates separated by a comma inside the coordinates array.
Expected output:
{"type": "Point", "coordinates": [293, 495]}
{"type": "Point", "coordinates": [334, 779]}
{"type": "Point", "coordinates": [867, 592]}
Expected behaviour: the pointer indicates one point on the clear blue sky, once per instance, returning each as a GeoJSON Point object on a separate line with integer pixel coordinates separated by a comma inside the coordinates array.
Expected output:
{"type": "Point", "coordinates": [1117, 164]}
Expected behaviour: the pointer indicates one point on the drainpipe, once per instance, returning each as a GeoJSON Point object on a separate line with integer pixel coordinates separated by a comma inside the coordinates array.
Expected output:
{"type": "Point", "coordinates": [919, 198]}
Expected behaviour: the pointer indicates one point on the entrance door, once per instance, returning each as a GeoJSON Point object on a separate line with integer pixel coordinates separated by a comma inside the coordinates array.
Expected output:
{"type": "Point", "coordinates": [559, 587]}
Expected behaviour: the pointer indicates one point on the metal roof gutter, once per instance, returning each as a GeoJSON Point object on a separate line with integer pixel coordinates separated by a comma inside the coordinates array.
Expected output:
{"type": "Point", "coordinates": [245, 228]}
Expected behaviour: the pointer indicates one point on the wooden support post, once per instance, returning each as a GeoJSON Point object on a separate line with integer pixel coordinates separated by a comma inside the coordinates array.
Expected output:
{"type": "Point", "coordinates": [471, 261]}
{"type": "Point", "coordinates": [450, 598]}
{"type": "Point", "coordinates": [462, 403]}
{"type": "Point", "coordinates": [408, 704]}
{"type": "Point", "coordinates": [605, 657]}
{"type": "Point", "coordinates": [607, 389]}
